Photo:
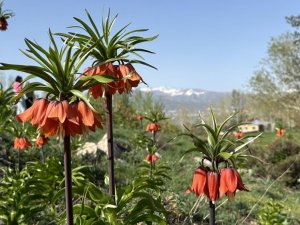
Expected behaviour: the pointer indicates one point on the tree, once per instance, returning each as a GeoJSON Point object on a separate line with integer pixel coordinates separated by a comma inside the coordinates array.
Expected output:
{"type": "Point", "coordinates": [238, 104]}
{"type": "Point", "coordinates": [275, 87]}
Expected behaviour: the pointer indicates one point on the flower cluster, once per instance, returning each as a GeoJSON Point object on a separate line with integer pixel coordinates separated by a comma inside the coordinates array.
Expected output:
{"type": "Point", "coordinates": [153, 127]}
{"type": "Point", "coordinates": [125, 77]}
{"type": "Point", "coordinates": [151, 158]}
{"type": "Point", "coordinates": [61, 117]}
{"type": "Point", "coordinates": [21, 143]}
{"type": "Point", "coordinates": [216, 184]}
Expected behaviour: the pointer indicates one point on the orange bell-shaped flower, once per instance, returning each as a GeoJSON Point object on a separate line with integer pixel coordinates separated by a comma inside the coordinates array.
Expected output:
{"type": "Point", "coordinates": [36, 113]}
{"type": "Point", "coordinates": [153, 127]}
{"type": "Point", "coordinates": [21, 143]}
{"type": "Point", "coordinates": [230, 181]}
{"type": "Point", "coordinates": [240, 184]}
{"type": "Point", "coordinates": [151, 158]}
{"type": "Point", "coordinates": [99, 90]}
{"type": "Point", "coordinates": [213, 183]}
{"type": "Point", "coordinates": [128, 78]}
{"type": "Point", "coordinates": [61, 117]}
{"type": "Point", "coordinates": [199, 185]}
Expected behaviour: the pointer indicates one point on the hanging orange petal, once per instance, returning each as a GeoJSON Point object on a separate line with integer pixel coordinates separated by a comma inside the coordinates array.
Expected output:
{"type": "Point", "coordinates": [97, 123]}
{"type": "Point", "coordinates": [27, 114]}
{"type": "Point", "coordinates": [213, 182]}
{"type": "Point", "coordinates": [228, 181]}
{"type": "Point", "coordinates": [16, 143]}
{"type": "Point", "coordinates": [39, 111]}
{"type": "Point", "coordinates": [240, 184]}
{"type": "Point", "coordinates": [22, 143]}
{"type": "Point", "coordinates": [72, 113]}
{"type": "Point", "coordinates": [199, 182]}
{"type": "Point", "coordinates": [72, 128]}
{"type": "Point", "coordinates": [58, 111]}
{"type": "Point", "coordinates": [123, 71]}
{"type": "Point", "coordinates": [50, 127]}
{"type": "Point", "coordinates": [85, 114]}
{"type": "Point", "coordinates": [99, 89]}
{"type": "Point", "coordinates": [48, 111]}
{"type": "Point", "coordinates": [135, 79]}
{"type": "Point", "coordinates": [128, 78]}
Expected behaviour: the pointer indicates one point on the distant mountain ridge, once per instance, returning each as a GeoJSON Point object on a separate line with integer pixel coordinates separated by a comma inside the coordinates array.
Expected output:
{"type": "Point", "coordinates": [189, 98]}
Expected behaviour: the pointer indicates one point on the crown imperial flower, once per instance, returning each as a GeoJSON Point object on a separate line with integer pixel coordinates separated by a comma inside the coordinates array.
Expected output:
{"type": "Point", "coordinates": [61, 117]}
{"type": "Point", "coordinates": [98, 90]}
{"type": "Point", "coordinates": [153, 127]}
{"type": "Point", "coordinates": [151, 158]}
{"type": "Point", "coordinates": [199, 185]}
{"type": "Point", "coordinates": [21, 143]}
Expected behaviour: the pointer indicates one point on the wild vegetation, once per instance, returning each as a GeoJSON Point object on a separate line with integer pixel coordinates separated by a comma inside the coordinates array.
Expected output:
{"type": "Point", "coordinates": [151, 175]}
{"type": "Point", "coordinates": [271, 176]}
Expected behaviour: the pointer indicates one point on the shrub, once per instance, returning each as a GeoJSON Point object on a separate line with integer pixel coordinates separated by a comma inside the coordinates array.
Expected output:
{"type": "Point", "coordinates": [272, 213]}
{"type": "Point", "coordinates": [281, 149]}
{"type": "Point", "coordinates": [293, 176]}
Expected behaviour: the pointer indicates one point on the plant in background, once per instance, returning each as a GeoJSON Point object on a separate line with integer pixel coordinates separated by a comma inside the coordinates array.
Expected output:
{"type": "Point", "coordinates": [65, 111]}
{"type": "Point", "coordinates": [7, 109]}
{"type": "Point", "coordinates": [273, 213]}
{"type": "Point", "coordinates": [19, 199]}
{"type": "Point", "coordinates": [26, 196]}
{"type": "Point", "coordinates": [21, 143]}
{"type": "Point", "coordinates": [112, 56]}
{"type": "Point", "coordinates": [217, 175]}
{"type": "Point", "coordinates": [279, 128]}
{"type": "Point", "coordinates": [132, 204]}
{"type": "Point", "coordinates": [22, 134]}
{"type": "Point", "coordinates": [154, 116]}
{"type": "Point", "coordinates": [4, 16]}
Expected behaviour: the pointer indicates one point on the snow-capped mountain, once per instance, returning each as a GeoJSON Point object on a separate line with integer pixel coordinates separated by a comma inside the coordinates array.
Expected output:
{"type": "Point", "coordinates": [194, 99]}
{"type": "Point", "coordinates": [174, 91]}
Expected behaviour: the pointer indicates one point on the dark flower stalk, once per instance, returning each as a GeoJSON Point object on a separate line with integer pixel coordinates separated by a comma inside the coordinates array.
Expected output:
{"type": "Point", "coordinates": [68, 179]}
{"type": "Point", "coordinates": [110, 145]}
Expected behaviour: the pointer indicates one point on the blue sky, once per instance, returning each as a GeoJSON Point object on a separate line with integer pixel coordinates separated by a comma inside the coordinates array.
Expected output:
{"type": "Point", "coordinates": [211, 45]}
